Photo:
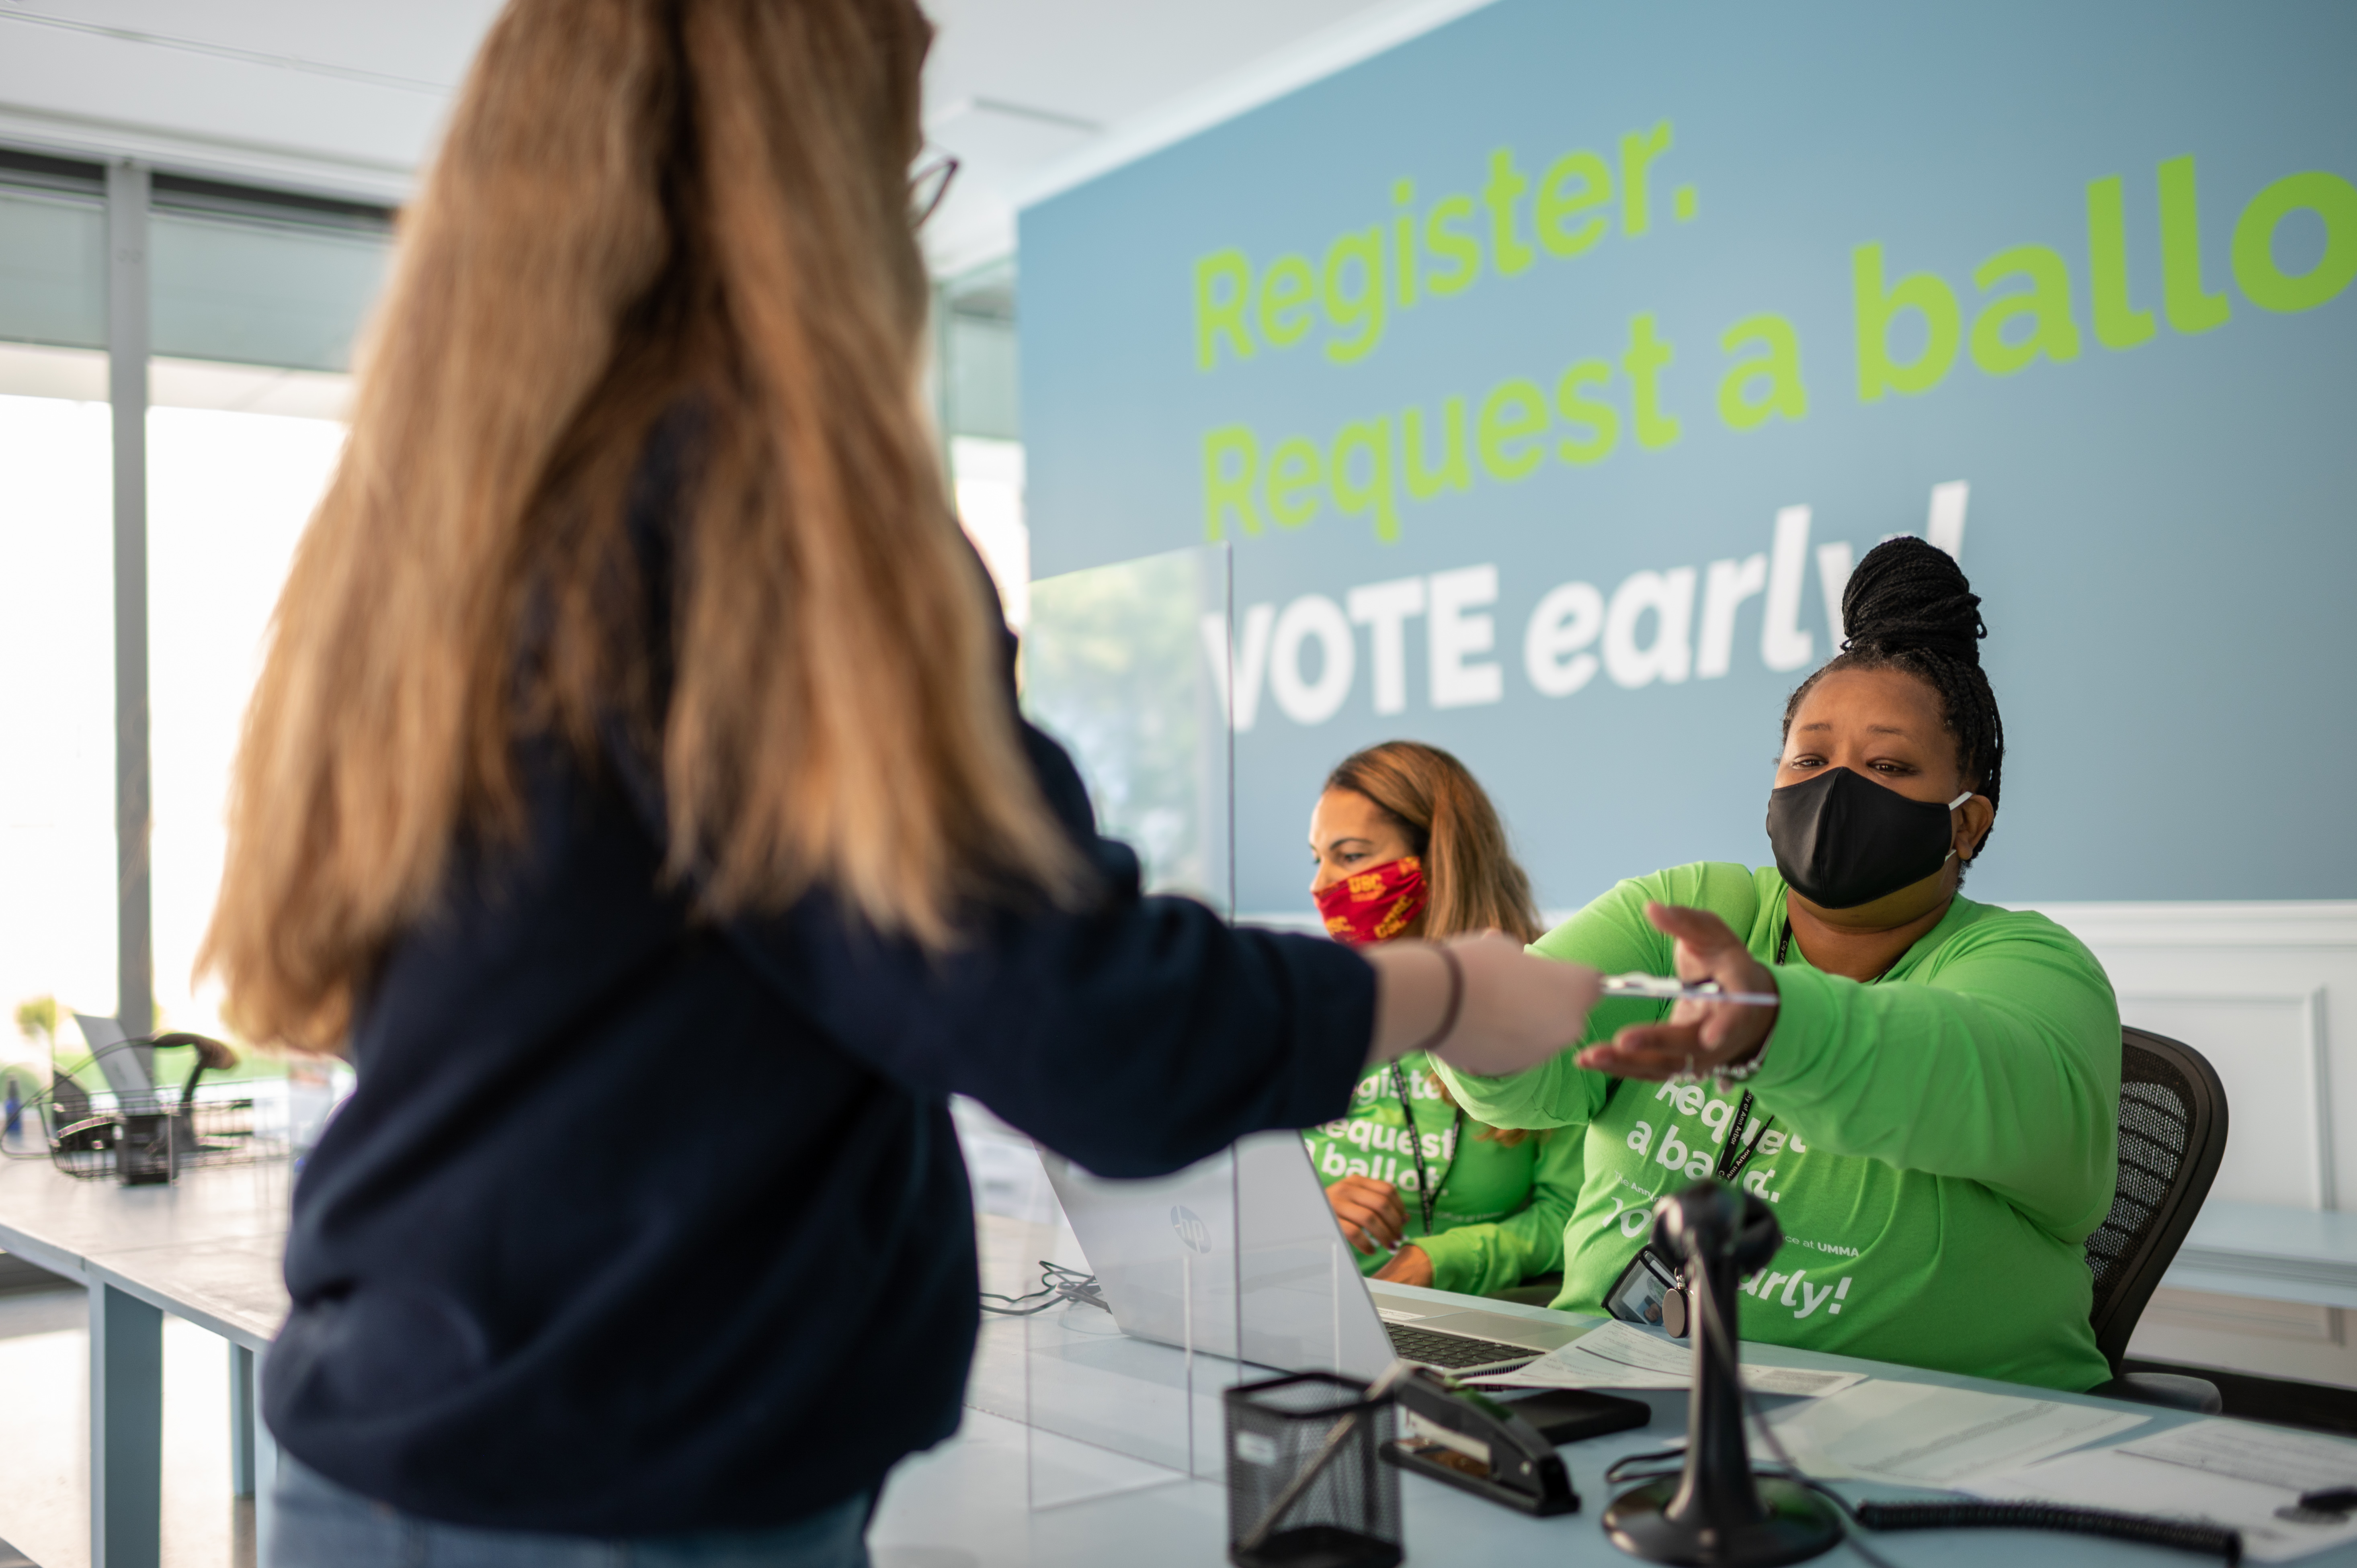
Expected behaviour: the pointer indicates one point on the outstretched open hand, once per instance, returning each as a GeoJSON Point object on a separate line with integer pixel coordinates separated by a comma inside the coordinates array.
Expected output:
{"type": "Point", "coordinates": [1697, 1036]}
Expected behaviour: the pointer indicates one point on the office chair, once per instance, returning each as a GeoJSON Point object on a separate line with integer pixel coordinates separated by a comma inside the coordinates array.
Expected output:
{"type": "Point", "coordinates": [2172, 1135]}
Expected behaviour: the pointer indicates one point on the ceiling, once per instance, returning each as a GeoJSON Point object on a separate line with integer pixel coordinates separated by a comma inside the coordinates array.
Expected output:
{"type": "Point", "coordinates": [345, 96]}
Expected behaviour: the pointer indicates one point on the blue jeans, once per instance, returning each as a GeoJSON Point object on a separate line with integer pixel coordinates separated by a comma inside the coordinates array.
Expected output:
{"type": "Point", "coordinates": [319, 1524]}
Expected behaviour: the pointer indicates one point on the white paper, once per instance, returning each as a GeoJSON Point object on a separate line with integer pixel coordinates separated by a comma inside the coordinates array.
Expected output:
{"type": "Point", "coordinates": [2271, 1456]}
{"type": "Point", "coordinates": [2227, 1473]}
{"type": "Point", "coordinates": [1919, 1434]}
{"type": "Point", "coordinates": [1619, 1356]}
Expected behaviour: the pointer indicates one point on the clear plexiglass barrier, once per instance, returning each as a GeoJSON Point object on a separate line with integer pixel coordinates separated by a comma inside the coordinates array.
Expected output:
{"type": "Point", "coordinates": [1118, 665]}
{"type": "Point", "coordinates": [1121, 1380]}
{"type": "Point", "coordinates": [1234, 1269]}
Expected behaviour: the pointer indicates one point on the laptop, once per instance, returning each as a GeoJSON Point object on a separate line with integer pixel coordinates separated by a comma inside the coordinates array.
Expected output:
{"type": "Point", "coordinates": [1167, 1251]}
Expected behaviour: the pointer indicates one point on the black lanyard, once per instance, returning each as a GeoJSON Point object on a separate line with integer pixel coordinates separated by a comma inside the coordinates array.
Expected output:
{"type": "Point", "coordinates": [1736, 1153]}
{"type": "Point", "coordinates": [1423, 1182]}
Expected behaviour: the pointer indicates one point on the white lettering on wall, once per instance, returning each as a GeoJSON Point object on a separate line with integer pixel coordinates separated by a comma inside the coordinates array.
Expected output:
{"type": "Point", "coordinates": [1383, 609]}
{"type": "Point", "coordinates": [1452, 637]}
{"type": "Point", "coordinates": [1312, 618]}
{"type": "Point", "coordinates": [1782, 644]}
{"type": "Point", "coordinates": [1833, 565]}
{"type": "Point", "coordinates": [1729, 583]}
{"type": "Point", "coordinates": [1946, 526]}
{"type": "Point", "coordinates": [1643, 634]}
{"type": "Point", "coordinates": [1237, 672]}
{"type": "Point", "coordinates": [1568, 619]}
{"type": "Point", "coordinates": [1668, 596]}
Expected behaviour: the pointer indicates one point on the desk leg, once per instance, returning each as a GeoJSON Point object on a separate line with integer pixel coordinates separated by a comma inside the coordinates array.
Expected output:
{"type": "Point", "coordinates": [265, 1481]}
{"type": "Point", "coordinates": [241, 1422]}
{"type": "Point", "coordinates": [126, 1430]}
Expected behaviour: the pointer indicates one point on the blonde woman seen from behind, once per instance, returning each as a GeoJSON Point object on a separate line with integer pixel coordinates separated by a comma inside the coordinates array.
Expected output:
{"type": "Point", "coordinates": [1407, 844]}
{"type": "Point", "coordinates": [636, 708]}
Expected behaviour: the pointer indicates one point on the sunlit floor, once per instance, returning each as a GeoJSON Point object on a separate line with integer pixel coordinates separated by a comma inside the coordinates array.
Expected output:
{"type": "Point", "coordinates": [45, 1439]}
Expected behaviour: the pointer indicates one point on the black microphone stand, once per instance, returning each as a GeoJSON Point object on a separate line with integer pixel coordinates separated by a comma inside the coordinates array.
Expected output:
{"type": "Point", "coordinates": [1716, 1513]}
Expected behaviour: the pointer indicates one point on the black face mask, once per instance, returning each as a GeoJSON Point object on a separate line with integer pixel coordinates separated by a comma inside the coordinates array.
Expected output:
{"type": "Point", "coordinates": [1842, 840]}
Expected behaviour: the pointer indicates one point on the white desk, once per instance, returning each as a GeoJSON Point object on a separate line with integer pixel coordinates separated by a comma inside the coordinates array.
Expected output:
{"type": "Point", "coordinates": [206, 1248]}
{"type": "Point", "coordinates": [965, 1504]}
{"type": "Point", "coordinates": [2272, 1253]}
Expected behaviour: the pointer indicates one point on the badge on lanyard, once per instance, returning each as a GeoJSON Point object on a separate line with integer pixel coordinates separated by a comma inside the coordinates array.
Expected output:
{"type": "Point", "coordinates": [1652, 1291]}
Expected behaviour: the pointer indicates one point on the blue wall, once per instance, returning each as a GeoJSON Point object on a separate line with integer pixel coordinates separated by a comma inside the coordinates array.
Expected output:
{"type": "Point", "coordinates": [2164, 531]}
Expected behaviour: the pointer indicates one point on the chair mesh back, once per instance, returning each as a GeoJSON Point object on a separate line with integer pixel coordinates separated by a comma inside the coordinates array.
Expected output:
{"type": "Point", "coordinates": [2172, 1134]}
{"type": "Point", "coordinates": [2155, 1136]}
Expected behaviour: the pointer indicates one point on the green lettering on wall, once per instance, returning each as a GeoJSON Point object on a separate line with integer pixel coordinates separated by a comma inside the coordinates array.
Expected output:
{"type": "Point", "coordinates": [1873, 307]}
{"type": "Point", "coordinates": [1222, 289]}
{"type": "Point", "coordinates": [1297, 470]}
{"type": "Point", "coordinates": [1505, 187]}
{"type": "Point", "coordinates": [2331, 198]}
{"type": "Point", "coordinates": [1776, 372]}
{"type": "Point", "coordinates": [1403, 259]}
{"type": "Point", "coordinates": [1287, 290]}
{"type": "Point", "coordinates": [1514, 412]}
{"type": "Point", "coordinates": [2190, 307]}
{"type": "Point", "coordinates": [1372, 437]}
{"type": "Point", "coordinates": [1638, 151]}
{"type": "Point", "coordinates": [1649, 355]}
{"type": "Point", "coordinates": [1361, 308]}
{"type": "Point", "coordinates": [2047, 302]}
{"type": "Point", "coordinates": [1573, 183]}
{"type": "Point", "coordinates": [2118, 324]}
{"type": "Point", "coordinates": [1453, 473]}
{"type": "Point", "coordinates": [1443, 241]}
{"type": "Point", "coordinates": [1600, 419]}
{"type": "Point", "coordinates": [1231, 468]}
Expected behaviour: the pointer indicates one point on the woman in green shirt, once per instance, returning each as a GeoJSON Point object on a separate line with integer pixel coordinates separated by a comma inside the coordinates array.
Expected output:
{"type": "Point", "coordinates": [1940, 1079]}
{"type": "Point", "coordinates": [1407, 844]}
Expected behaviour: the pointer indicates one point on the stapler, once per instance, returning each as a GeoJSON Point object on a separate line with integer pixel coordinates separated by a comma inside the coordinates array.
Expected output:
{"type": "Point", "coordinates": [1479, 1445]}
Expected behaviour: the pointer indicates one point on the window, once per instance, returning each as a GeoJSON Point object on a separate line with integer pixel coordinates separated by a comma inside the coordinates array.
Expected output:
{"type": "Point", "coordinates": [254, 298]}
{"type": "Point", "coordinates": [57, 692]}
{"type": "Point", "coordinates": [229, 493]}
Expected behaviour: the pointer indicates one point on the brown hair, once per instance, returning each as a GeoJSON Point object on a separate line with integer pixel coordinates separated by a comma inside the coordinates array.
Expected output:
{"type": "Point", "coordinates": [1475, 884]}
{"type": "Point", "coordinates": [641, 207]}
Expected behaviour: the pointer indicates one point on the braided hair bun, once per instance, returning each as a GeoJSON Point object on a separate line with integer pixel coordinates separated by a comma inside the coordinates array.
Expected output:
{"type": "Point", "coordinates": [1908, 607]}
{"type": "Point", "coordinates": [1908, 594]}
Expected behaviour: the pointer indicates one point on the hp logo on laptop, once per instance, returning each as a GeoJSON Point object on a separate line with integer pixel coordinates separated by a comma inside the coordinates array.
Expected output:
{"type": "Point", "coordinates": [1193, 1232]}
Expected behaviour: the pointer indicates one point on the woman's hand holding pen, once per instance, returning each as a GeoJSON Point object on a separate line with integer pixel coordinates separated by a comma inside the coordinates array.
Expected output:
{"type": "Point", "coordinates": [1697, 1036]}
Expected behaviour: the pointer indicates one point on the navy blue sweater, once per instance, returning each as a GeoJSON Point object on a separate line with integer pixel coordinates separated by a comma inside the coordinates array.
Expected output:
{"type": "Point", "coordinates": [638, 1224]}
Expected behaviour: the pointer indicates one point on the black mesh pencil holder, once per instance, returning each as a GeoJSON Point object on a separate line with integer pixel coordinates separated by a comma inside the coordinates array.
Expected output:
{"type": "Point", "coordinates": [1345, 1515]}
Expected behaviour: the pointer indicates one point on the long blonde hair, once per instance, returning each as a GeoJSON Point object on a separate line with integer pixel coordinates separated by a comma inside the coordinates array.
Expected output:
{"type": "Point", "coordinates": [1475, 883]}
{"type": "Point", "coordinates": [691, 212]}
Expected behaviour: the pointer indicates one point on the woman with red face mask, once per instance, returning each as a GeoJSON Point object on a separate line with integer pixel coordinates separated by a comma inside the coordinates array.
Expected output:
{"type": "Point", "coordinates": [1407, 844]}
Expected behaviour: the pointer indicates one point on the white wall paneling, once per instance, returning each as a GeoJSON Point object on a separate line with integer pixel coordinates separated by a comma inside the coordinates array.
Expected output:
{"type": "Point", "coordinates": [2252, 988]}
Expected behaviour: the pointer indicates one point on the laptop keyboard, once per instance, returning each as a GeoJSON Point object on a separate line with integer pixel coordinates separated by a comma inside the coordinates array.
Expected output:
{"type": "Point", "coordinates": [1436, 1350]}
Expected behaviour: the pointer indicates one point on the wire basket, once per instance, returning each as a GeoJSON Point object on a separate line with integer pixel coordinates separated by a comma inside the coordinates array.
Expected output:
{"type": "Point", "coordinates": [144, 1138]}
{"type": "Point", "coordinates": [1348, 1516]}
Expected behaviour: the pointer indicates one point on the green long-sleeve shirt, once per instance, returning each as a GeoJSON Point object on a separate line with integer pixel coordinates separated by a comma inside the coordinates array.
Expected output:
{"type": "Point", "coordinates": [1946, 1137]}
{"type": "Point", "coordinates": [1499, 1210]}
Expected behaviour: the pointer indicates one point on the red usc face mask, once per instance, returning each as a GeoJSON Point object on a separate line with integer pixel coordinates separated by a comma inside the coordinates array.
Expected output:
{"type": "Point", "coordinates": [1375, 906]}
